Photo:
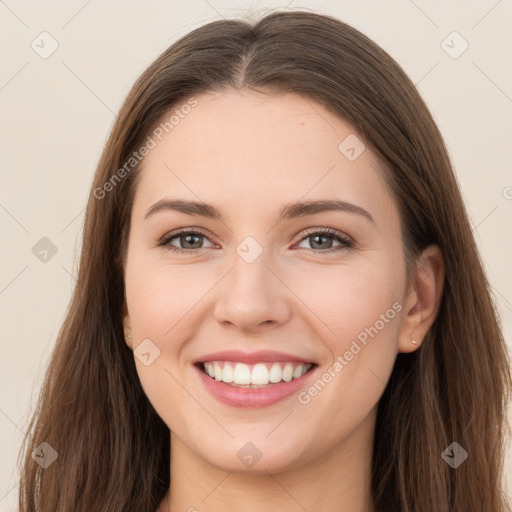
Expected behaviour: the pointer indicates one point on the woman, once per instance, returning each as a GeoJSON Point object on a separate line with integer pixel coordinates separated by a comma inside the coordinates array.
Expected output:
{"type": "Point", "coordinates": [280, 303]}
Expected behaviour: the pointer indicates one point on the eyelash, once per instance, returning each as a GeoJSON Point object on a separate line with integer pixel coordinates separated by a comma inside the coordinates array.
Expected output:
{"type": "Point", "coordinates": [346, 242]}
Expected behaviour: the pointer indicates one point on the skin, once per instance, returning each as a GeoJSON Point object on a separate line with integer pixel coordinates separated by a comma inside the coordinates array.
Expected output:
{"type": "Point", "coordinates": [249, 154]}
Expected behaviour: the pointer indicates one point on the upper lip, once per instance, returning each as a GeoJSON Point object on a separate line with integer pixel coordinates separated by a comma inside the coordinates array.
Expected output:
{"type": "Point", "coordinates": [259, 356]}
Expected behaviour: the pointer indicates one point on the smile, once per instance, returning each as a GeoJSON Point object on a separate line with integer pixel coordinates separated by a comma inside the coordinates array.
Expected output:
{"type": "Point", "coordinates": [254, 375]}
{"type": "Point", "coordinates": [253, 385]}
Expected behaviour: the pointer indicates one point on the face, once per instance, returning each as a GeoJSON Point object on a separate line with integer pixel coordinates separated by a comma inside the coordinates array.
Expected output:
{"type": "Point", "coordinates": [278, 290]}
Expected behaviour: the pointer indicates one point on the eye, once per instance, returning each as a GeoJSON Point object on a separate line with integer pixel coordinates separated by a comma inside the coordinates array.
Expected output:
{"type": "Point", "coordinates": [324, 240]}
{"type": "Point", "coordinates": [189, 241]}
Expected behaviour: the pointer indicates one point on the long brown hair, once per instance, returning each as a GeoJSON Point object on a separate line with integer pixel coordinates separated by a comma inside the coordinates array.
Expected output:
{"type": "Point", "coordinates": [113, 448]}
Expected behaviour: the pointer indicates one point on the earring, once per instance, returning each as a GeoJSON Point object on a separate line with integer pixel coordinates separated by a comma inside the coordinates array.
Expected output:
{"type": "Point", "coordinates": [414, 341]}
{"type": "Point", "coordinates": [128, 335]}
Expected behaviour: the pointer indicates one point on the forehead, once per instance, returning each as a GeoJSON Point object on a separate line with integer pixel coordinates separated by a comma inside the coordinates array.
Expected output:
{"type": "Point", "coordinates": [260, 149]}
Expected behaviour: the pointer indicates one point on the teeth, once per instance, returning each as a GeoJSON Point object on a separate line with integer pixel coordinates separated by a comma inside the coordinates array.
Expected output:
{"type": "Point", "coordinates": [275, 373]}
{"type": "Point", "coordinates": [298, 371]}
{"type": "Point", "coordinates": [242, 374]}
{"type": "Point", "coordinates": [217, 371]}
{"type": "Point", "coordinates": [227, 374]}
{"type": "Point", "coordinates": [260, 374]}
{"type": "Point", "coordinates": [288, 373]}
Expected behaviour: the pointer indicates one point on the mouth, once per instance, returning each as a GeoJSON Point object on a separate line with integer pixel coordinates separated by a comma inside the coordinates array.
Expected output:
{"type": "Point", "coordinates": [254, 376]}
{"type": "Point", "coordinates": [253, 379]}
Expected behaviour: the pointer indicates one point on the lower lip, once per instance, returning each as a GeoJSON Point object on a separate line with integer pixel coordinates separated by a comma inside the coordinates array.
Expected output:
{"type": "Point", "coordinates": [252, 397]}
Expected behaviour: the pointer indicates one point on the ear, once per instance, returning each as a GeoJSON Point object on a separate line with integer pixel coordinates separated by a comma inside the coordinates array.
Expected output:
{"type": "Point", "coordinates": [422, 299]}
{"type": "Point", "coordinates": [127, 326]}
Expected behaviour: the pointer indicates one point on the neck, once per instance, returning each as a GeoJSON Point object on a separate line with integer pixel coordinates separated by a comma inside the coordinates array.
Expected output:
{"type": "Point", "coordinates": [337, 481]}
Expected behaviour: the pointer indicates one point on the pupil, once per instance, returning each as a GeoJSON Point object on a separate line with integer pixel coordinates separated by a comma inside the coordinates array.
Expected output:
{"type": "Point", "coordinates": [188, 237]}
{"type": "Point", "coordinates": [321, 237]}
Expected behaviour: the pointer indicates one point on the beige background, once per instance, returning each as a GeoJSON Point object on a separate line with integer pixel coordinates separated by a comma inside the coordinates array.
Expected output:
{"type": "Point", "coordinates": [56, 113]}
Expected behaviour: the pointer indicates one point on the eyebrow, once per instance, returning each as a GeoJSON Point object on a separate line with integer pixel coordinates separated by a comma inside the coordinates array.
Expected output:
{"type": "Point", "coordinates": [288, 212]}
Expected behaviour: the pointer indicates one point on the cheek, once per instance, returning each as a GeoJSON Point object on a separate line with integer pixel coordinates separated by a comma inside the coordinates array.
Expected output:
{"type": "Point", "coordinates": [346, 300]}
{"type": "Point", "coordinates": [160, 296]}
{"type": "Point", "coordinates": [161, 307]}
{"type": "Point", "coordinates": [358, 314]}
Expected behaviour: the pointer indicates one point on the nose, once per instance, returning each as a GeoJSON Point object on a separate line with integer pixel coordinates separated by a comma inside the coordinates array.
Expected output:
{"type": "Point", "coordinates": [252, 295]}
